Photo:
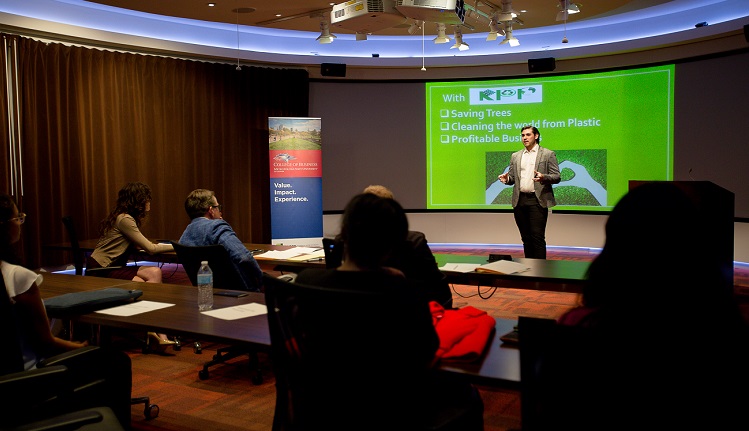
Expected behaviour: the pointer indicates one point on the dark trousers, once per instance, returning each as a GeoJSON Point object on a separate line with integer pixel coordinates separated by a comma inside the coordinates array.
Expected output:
{"type": "Point", "coordinates": [531, 219]}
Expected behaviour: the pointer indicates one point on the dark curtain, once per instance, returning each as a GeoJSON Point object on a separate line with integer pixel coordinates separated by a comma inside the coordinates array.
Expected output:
{"type": "Point", "coordinates": [5, 161]}
{"type": "Point", "coordinates": [93, 120]}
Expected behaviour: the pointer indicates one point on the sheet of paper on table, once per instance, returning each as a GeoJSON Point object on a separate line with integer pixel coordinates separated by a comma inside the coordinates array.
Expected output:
{"type": "Point", "coordinates": [238, 311]}
{"type": "Point", "coordinates": [503, 267]}
{"type": "Point", "coordinates": [286, 254]}
{"type": "Point", "coordinates": [134, 308]}
{"type": "Point", "coordinates": [315, 255]}
{"type": "Point", "coordinates": [459, 267]}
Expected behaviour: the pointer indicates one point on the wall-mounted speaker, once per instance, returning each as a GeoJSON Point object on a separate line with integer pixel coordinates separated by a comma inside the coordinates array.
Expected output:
{"type": "Point", "coordinates": [333, 69]}
{"type": "Point", "coordinates": [541, 64]}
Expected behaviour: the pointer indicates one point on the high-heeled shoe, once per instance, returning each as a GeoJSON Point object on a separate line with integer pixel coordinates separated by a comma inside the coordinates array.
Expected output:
{"type": "Point", "coordinates": [157, 339]}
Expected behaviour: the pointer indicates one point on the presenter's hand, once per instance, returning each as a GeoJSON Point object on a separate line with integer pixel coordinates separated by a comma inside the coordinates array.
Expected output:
{"type": "Point", "coordinates": [504, 177]}
{"type": "Point", "coordinates": [538, 176]}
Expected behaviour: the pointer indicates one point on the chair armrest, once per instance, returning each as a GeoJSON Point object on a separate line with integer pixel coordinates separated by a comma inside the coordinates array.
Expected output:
{"type": "Point", "coordinates": [101, 272]}
{"type": "Point", "coordinates": [53, 377]}
{"type": "Point", "coordinates": [69, 421]}
{"type": "Point", "coordinates": [86, 366]}
{"type": "Point", "coordinates": [26, 391]}
{"type": "Point", "coordinates": [100, 418]}
{"type": "Point", "coordinates": [70, 358]}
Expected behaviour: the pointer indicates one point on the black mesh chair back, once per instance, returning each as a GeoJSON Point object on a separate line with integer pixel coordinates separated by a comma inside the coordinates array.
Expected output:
{"type": "Point", "coordinates": [349, 359]}
{"type": "Point", "coordinates": [74, 245]}
{"type": "Point", "coordinates": [225, 273]}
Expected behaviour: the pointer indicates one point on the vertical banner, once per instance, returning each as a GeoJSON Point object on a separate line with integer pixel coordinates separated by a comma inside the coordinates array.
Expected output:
{"type": "Point", "coordinates": [295, 148]}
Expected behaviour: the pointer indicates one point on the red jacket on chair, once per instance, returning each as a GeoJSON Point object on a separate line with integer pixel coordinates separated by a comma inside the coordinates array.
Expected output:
{"type": "Point", "coordinates": [463, 332]}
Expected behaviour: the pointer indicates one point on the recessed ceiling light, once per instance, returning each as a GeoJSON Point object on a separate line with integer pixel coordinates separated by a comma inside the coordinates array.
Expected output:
{"type": "Point", "coordinates": [278, 15]}
{"type": "Point", "coordinates": [211, 4]}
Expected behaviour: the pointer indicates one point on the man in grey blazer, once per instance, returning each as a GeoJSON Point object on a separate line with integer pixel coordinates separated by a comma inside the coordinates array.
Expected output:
{"type": "Point", "coordinates": [532, 171]}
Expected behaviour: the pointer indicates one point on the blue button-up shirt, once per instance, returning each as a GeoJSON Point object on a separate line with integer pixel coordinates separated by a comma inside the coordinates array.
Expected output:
{"type": "Point", "coordinates": [203, 231]}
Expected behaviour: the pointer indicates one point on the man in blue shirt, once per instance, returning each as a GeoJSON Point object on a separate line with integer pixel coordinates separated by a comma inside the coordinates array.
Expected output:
{"type": "Point", "coordinates": [207, 227]}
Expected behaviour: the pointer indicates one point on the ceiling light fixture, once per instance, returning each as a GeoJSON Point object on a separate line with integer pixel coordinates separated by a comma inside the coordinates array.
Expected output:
{"type": "Point", "coordinates": [566, 8]}
{"type": "Point", "coordinates": [462, 46]}
{"type": "Point", "coordinates": [507, 13]}
{"type": "Point", "coordinates": [325, 35]}
{"type": "Point", "coordinates": [494, 29]}
{"type": "Point", "coordinates": [441, 36]}
{"type": "Point", "coordinates": [509, 38]}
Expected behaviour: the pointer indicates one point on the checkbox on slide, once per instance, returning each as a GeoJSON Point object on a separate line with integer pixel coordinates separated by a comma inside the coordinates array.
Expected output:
{"type": "Point", "coordinates": [445, 126]}
{"type": "Point", "coordinates": [445, 139]}
{"type": "Point", "coordinates": [444, 113]}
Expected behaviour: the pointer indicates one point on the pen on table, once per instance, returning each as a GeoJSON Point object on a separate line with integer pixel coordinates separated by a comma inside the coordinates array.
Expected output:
{"type": "Point", "coordinates": [314, 259]}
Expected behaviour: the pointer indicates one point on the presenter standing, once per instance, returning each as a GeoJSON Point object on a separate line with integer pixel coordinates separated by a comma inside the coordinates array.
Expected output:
{"type": "Point", "coordinates": [532, 171]}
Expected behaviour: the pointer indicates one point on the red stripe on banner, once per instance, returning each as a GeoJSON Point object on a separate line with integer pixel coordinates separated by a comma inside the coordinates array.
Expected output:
{"type": "Point", "coordinates": [295, 163]}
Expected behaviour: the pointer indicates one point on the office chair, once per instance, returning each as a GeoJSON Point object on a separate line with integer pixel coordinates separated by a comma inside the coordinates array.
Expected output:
{"type": "Point", "coordinates": [350, 359]}
{"type": "Point", "coordinates": [42, 399]}
{"type": "Point", "coordinates": [225, 276]}
{"type": "Point", "coordinates": [78, 257]}
{"type": "Point", "coordinates": [64, 383]}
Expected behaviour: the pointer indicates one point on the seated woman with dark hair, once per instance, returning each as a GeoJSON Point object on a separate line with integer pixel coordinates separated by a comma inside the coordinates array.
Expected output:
{"type": "Point", "coordinates": [121, 236]}
{"type": "Point", "coordinates": [372, 228]}
{"type": "Point", "coordinates": [412, 256]}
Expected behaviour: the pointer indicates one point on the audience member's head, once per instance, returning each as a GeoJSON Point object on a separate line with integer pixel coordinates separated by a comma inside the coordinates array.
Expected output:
{"type": "Point", "coordinates": [667, 324]}
{"type": "Point", "coordinates": [371, 228]}
{"type": "Point", "coordinates": [657, 260]}
{"type": "Point", "coordinates": [199, 202]}
{"type": "Point", "coordinates": [133, 199]}
{"type": "Point", "coordinates": [380, 191]}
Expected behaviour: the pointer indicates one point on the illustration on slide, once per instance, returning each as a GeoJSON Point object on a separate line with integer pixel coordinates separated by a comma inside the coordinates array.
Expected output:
{"type": "Point", "coordinates": [583, 178]}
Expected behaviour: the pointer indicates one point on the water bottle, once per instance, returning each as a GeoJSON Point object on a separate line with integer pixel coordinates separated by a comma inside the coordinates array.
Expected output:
{"type": "Point", "coordinates": [205, 287]}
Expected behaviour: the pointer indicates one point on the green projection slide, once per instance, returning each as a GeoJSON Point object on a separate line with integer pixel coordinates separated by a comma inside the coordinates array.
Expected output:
{"type": "Point", "coordinates": [606, 128]}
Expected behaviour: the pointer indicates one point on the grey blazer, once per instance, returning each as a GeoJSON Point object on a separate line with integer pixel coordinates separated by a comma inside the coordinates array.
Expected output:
{"type": "Point", "coordinates": [546, 163]}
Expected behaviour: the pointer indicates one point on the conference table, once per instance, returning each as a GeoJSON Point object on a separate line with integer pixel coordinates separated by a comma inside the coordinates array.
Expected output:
{"type": "Point", "coordinates": [87, 246]}
{"type": "Point", "coordinates": [543, 274]}
{"type": "Point", "coordinates": [498, 366]}
{"type": "Point", "coordinates": [547, 275]}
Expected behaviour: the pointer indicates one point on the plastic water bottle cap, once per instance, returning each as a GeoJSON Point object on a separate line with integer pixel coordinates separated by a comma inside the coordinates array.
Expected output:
{"type": "Point", "coordinates": [204, 262]}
